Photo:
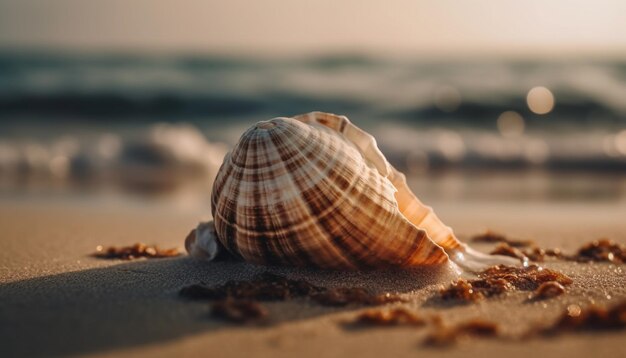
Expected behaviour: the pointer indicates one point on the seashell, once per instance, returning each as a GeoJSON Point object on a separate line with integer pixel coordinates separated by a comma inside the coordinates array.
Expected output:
{"type": "Point", "coordinates": [314, 190]}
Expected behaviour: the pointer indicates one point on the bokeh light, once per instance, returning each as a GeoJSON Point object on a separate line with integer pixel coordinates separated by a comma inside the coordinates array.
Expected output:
{"type": "Point", "coordinates": [510, 124]}
{"type": "Point", "coordinates": [540, 100]}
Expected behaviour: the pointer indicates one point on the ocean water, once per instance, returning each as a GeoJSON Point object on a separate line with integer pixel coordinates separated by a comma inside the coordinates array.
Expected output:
{"type": "Point", "coordinates": [140, 118]}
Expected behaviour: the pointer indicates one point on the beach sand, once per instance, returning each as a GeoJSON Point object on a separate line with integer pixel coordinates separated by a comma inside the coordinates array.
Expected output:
{"type": "Point", "coordinates": [57, 300]}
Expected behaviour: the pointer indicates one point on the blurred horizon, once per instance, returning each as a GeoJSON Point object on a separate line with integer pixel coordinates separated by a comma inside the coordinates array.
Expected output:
{"type": "Point", "coordinates": [401, 28]}
{"type": "Point", "coordinates": [367, 55]}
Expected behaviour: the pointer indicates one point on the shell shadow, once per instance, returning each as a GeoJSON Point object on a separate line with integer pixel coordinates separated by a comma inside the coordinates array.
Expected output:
{"type": "Point", "coordinates": [137, 303]}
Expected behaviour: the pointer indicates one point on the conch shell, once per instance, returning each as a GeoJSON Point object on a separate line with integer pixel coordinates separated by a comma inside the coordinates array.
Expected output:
{"type": "Point", "coordinates": [314, 190]}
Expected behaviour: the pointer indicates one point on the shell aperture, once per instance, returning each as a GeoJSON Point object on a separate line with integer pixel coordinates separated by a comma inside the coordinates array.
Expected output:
{"type": "Point", "coordinates": [315, 191]}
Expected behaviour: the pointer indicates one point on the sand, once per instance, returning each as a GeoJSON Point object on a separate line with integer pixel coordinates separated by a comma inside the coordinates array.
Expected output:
{"type": "Point", "coordinates": [56, 300]}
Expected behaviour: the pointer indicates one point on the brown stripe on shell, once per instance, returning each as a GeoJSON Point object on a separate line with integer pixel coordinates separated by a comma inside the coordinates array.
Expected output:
{"type": "Point", "coordinates": [402, 253]}
{"type": "Point", "coordinates": [273, 251]}
{"type": "Point", "coordinates": [288, 238]}
{"type": "Point", "coordinates": [223, 174]}
{"type": "Point", "coordinates": [293, 161]}
{"type": "Point", "coordinates": [284, 243]}
{"type": "Point", "coordinates": [225, 226]}
{"type": "Point", "coordinates": [260, 217]}
{"type": "Point", "coordinates": [314, 197]}
{"type": "Point", "coordinates": [253, 213]}
{"type": "Point", "coordinates": [350, 238]}
{"type": "Point", "coordinates": [227, 196]}
{"type": "Point", "coordinates": [396, 251]}
{"type": "Point", "coordinates": [269, 233]}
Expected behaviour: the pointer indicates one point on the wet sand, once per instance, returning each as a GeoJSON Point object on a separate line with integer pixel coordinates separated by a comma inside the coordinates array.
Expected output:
{"type": "Point", "coordinates": [56, 300]}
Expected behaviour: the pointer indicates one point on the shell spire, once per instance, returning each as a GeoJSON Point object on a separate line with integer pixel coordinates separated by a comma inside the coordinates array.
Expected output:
{"type": "Point", "coordinates": [315, 190]}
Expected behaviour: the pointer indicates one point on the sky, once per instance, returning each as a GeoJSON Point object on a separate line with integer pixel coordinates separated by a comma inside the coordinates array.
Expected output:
{"type": "Point", "coordinates": [276, 27]}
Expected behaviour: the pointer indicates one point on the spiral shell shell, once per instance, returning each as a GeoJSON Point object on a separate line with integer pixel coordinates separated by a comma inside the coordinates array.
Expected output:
{"type": "Point", "coordinates": [315, 190]}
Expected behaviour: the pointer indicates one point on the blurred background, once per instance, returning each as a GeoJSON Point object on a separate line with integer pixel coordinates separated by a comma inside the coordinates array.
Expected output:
{"type": "Point", "coordinates": [488, 100]}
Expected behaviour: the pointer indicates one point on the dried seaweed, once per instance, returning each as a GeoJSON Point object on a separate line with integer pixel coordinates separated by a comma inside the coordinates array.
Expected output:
{"type": "Point", "coordinates": [500, 279]}
{"type": "Point", "coordinates": [526, 278]}
{"type": "Point", "coordinates": [474, 290]}
{"type": "Point", "coordinates": [547, 290]}
{"type": "Point", "coordinates": [602, 250]}
{"type": "Point", "coordinates": [136, 251]}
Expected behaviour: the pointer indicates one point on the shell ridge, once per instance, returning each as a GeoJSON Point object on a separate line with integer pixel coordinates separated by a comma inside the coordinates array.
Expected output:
{"type": "Point", "coordinates": [266, 240]}
{"type": "Point", "coordinates": [355, 241]}
{"type": "Point", "coordinates": [322, 169]}
{"type": "Point", "coordinates": [323, 174]}
{"type": "Point", "coordinates": [368, 148]}
{"type": "Point", "coordinates": [373, 247]}
{"type": "Point", "coordinates": [222, 175]}
{"type": "Point", "coordinates": [365, 142]}
{"type": "Point", "coordinates": [415, 254]}
{"type": "Point", "coordinates": [306, 203]}
{"type": "Point", "coordinates": [225, 227]}
{"type": "Point", "coordinates": [285, 234]}
{"type": "Point", "coordinates": [242, 242]}
{"type": "Point", "coordinates": [282, 239]}
{"type": "Point", "coordinates": [406, 250]}
{"type": "Point", "coordinates": [264, 220]}
{"type": "Point", "coordinates": [310, 210]}
{"type": "Point", "coordinates": [342, 220]}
